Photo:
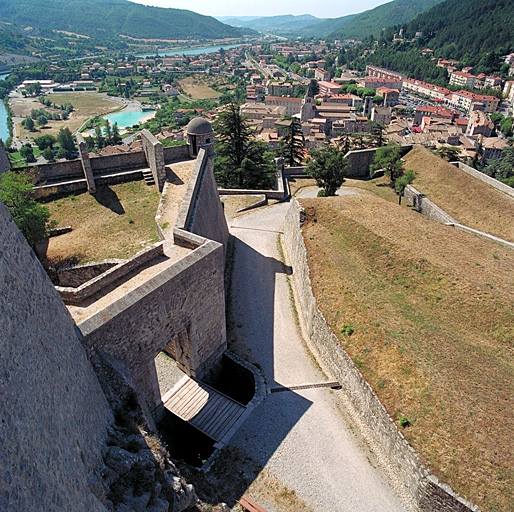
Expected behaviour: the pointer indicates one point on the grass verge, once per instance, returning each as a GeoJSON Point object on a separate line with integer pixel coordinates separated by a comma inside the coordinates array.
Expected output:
{"type": "Point", "coordinates": [114, 223]}
{"type": "Point", "coordinates": [426, 312]}
{"type": "Point", "coordinates": [467, 199]}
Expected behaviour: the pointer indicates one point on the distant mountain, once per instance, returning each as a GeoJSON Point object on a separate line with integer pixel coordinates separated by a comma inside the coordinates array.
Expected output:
{"type": "Point", "coordinates": [110, 18]}
{"type": "Point", "coordinates": [467, 28]}
{"type": "Point", "coordinates": [286, 24]}
{"type": "Point", "coordinates": [360, 26]}
{"type": "Point", "coordinates": [326, 27]}
{"type": "Point", "coordinates": [233, 20]}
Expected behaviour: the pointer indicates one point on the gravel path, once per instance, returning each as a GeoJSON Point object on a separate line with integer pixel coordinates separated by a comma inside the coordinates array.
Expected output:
{"type": "Point", "coordinates": [304, 438]}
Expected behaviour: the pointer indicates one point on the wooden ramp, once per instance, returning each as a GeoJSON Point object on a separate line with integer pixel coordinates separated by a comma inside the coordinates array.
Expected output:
{"type": "Point", "coordinates": [203, 407]}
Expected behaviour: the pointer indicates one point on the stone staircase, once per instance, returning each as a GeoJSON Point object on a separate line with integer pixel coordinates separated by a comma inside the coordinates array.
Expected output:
{"type": "Point", "coordinates": [148, 176]}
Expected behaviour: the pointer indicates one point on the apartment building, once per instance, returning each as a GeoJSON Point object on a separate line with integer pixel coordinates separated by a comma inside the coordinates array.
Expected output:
{"type": "Point", "coordinates": [462, 79]}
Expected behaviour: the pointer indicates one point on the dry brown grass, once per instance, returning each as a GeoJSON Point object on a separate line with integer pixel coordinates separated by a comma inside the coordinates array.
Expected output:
{"type": "Point", "coordinates": [467, 199]}
{"type": "Point", "coordinates": [101, 224]}
{"type": "Point", "coordinates": [86, 105]}
{"type": "Point", "coordinates": [197, 88]}
{"type": "Point", "coordinates": [433, 314]}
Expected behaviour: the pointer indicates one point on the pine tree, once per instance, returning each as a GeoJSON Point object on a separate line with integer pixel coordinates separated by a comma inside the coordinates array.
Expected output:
{"type": "Point", "coordinates": [241, 162]}
{"type": "Point", "coordinates": [293, 143]}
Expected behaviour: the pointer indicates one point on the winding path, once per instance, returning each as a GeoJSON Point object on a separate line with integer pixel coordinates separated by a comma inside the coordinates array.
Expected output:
{"type": "Point", "coordinates": [303, 437]}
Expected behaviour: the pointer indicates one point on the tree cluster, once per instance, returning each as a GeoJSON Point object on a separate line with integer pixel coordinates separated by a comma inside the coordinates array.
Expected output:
{"type": "Point", "coordinates": [328, 167]}
{"type": "Point", "coordinates": [388, 159]}
{"type": "Point", "coordinates": [16, 192]}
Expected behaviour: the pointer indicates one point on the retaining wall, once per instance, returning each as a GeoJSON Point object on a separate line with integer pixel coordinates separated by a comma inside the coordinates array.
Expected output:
{"type": "Point", "coordinates": [67, 169]}
{"type": "Point", "coordinates": [132, 160]}
{"type": "Point", "coordinates": [174, 153]}
{"type": "Point", "coordinates": [423, 488]}
{"type": "Point", "coordinates": [486, 179]}
{"type": "Point", "coordinates": [426, 207]}
{"type": "Point", "coordinates": [99, 164]}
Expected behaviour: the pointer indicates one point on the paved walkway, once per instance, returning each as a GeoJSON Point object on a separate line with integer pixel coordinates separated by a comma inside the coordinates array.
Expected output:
{"type": "Point", "coordinates": [303, 436]}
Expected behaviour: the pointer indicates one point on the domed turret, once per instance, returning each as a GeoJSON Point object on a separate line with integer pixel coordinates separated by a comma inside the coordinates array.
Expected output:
{"type": "Point", "coordinates": [199, 135]}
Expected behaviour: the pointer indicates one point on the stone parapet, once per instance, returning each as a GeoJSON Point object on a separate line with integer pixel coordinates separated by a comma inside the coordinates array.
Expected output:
{"type": "Point", "coordinates": [76, 295]}
{"type": "Point", "coordinates": [486, 179]}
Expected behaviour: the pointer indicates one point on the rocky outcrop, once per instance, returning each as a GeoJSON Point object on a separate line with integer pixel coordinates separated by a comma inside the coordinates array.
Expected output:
{"type": "Point", "coordinates": [137, 473]}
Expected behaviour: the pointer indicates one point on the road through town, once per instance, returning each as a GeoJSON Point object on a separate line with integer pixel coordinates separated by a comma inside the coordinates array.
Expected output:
{"type": "Point", "coordinates": [303, 437]}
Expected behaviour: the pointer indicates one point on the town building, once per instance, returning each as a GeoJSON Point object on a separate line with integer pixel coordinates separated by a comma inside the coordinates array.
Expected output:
{"type": "Point", "coordinates": [479, 124]}
{"type": "Point", "coordinates": [391, 96]}
{"type": "Point", "coordinates": [292, 105]}
{"type": "Point", "coordinates": [381, 115]}
{"type": "Point", "coordinates": [462, 79]}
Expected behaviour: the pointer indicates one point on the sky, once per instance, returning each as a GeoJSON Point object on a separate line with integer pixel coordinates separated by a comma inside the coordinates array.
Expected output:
{"type": "Point", "coordinates": [319, 8]}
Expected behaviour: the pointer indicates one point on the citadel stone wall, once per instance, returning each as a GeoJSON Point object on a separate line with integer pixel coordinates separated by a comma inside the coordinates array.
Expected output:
{"type": "Point", "coordinates": [5, 165]}
{"type": "Point", "coordinates": [201, 211]}
{"type": "Point", "coordinates": [54, 415]}
{"type": "Point", "coordinates": [424, 488]}
{"type": "Point", "coordinates": [100, 164]}
{"type": "Point", "coordinates": [426, 207]}
{"type": "Point", "coordinates": [181, 309]}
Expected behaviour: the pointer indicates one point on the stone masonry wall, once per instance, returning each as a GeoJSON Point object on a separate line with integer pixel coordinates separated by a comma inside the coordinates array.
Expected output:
{"type": "Point", "coordinates": [424, 488]}
{"type": "Point", "coordinates": [132, 160]}
{"type": "Point", "coordinates": [76, 295]}
{"type": "Point", "coordinates": [184, 302]}
{"type": "Point", "coordinates": [486, 179]}
{"type": "Point", "coordinates": [174, 153]}
{"type": "Point", "coordinates": [5, 165]}
{"type": "Point", "coordinates": [201, 211]}
{"type": "Point", "coordinates": [181, 309]}
{"type": "Point", "coordinates": [54, 415]}
{"type": "Point", "coordinates": [426, 207]}
{"type": "Point", "coordinates": [86, 164]}
{"type": "Point", "coordinates": [67, 169]}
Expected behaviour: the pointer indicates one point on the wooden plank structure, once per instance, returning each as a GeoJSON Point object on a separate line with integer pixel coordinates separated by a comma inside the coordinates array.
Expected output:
{"type": "Point", "coordinates": [203, 407]}
{"type": "Point", "coordinates": [249, 505]}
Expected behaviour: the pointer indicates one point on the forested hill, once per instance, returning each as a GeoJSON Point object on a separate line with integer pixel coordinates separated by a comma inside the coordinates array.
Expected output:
{"type": "Point", "coordinates": [372, 22]}
{"type": "Point", "coordinates": [110, 18]}
{"type": "Point", "coordinates": [464, 29]}
{"type": "Point", "coordinates": [286, 24]}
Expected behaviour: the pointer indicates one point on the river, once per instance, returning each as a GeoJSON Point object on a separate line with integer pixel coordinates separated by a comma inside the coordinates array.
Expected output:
{"type": "Point", "coordinates": [4, 128]}
{"type": "Point", "coordinates": [185, 51]}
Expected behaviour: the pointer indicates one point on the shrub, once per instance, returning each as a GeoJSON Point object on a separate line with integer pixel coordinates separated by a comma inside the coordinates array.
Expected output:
{"type": "Point", "coordinates": [404, 422]}
{"type": "Point", "coordinates": [347, 330]}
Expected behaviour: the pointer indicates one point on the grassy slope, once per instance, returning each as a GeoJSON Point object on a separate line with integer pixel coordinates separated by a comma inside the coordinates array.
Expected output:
{"type": "Point", "coordinates": [432, 310]}
{"type": "Point", "coordinates": [98, 231]}
{"type": "Point", "coordinates": [467, 199]}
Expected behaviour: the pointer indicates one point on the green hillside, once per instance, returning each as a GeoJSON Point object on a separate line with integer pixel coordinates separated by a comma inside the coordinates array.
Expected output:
{"type": "Point", "coordinates": [323, 28]}
{"type": "Point", "coordinates": [361, 26]}
{"type": "Point", "coordinates": [110, 18]}
{"type": "Point", "coordinates": [464, 29]}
